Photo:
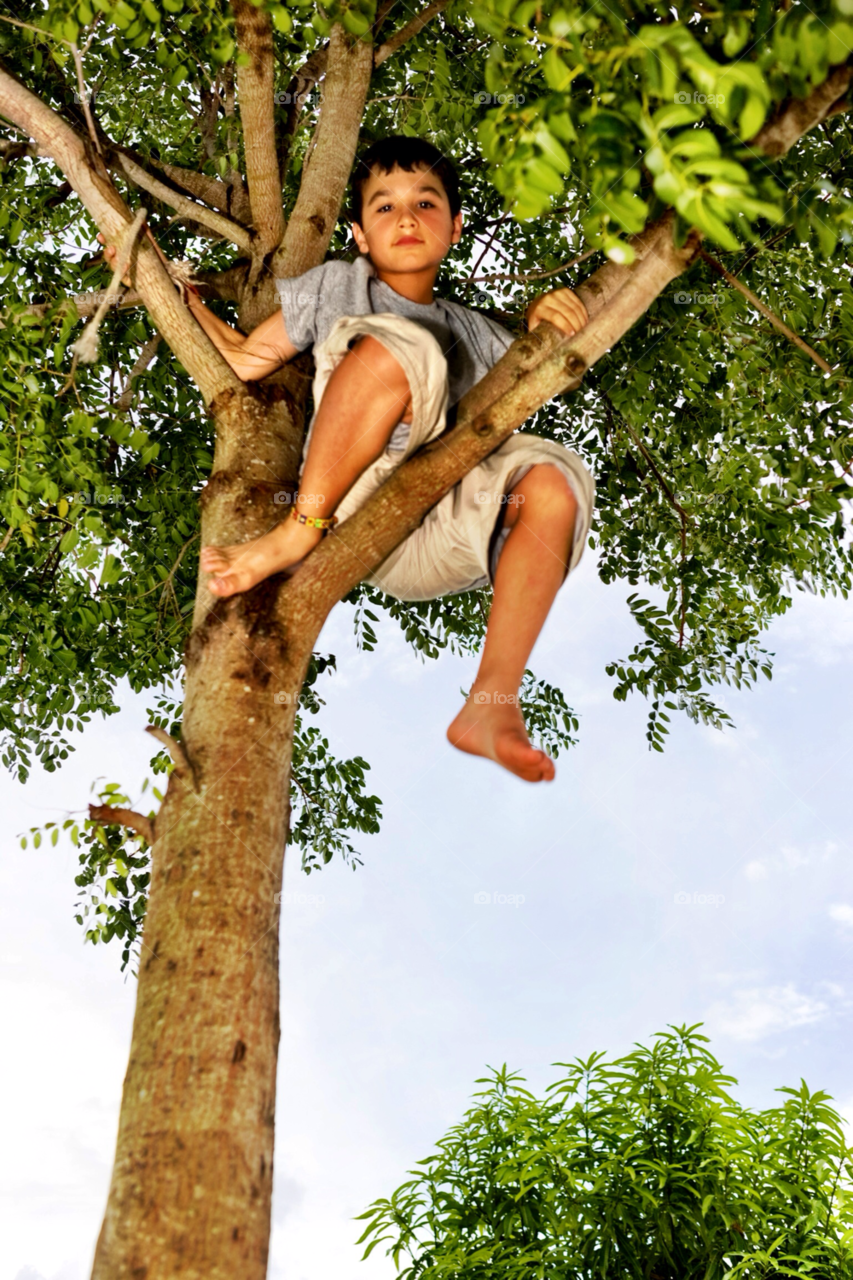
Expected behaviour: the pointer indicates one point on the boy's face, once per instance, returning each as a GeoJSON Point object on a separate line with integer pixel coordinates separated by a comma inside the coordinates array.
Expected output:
{"type": "Point", "coordinates": [406, 223]}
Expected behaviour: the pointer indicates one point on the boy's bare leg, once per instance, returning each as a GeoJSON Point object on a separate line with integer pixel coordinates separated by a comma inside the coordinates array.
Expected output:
{"type": "Point", "coordinates": [366, 396]}
{"type": "Point", "coordinates": [541, 515]}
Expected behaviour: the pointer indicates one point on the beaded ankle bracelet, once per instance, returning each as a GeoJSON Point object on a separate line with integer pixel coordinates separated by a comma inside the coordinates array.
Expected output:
{"type": "Point", "coordinates": [313, 522]}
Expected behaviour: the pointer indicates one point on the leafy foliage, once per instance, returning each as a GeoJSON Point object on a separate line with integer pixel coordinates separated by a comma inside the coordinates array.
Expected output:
{"type": "Point", "coordinates": [328, 800]}
{"type": "Point", "coordinates": [456, 622]}
{"type": "Point", "coordinates": [642, 1166]}
{"type": "Point", "coordinates": [645, 105]}
{"type": "Point", "coordinates": [722, 454]}
{"type": "Point", "coordinates": [114, 872]}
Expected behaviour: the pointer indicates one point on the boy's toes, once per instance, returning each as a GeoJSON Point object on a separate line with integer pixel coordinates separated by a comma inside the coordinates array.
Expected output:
{"type": "Point", "coordinates": [538, 767]}
{"type": "Point", "coordinates": [515, 753]}
{"type": "Point", "coordinates": [212, 560]}
{"type": "Point", "coordinates": [226, 584]}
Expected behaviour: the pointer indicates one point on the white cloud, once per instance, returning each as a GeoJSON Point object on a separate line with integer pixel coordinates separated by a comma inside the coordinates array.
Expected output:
{"type": "Point", "coordinates": [790, 858]}
{"type": "Point", "coordinates": [793, 858]}
{"type": "Point", "coordinates": [842, 913]}
{"type": "Point", "coordinates": [755, 1012]}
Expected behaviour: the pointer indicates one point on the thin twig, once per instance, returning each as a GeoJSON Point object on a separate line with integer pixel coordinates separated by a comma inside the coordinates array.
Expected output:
{"type": "Point", "coordinates": [767, 313]}
{"type": "Point", "coordinates": [28, 26]}
{"type": "Point", "coordinates": [143, 360]}
{"type": "Point", "coordinates": [183, 768]}
{"type": "Point", "coordinates": [308, 794]}
{"type": "Point", "coordinates": [538, 275]}
{"type": "Point", "coordinates": [84, 99]}
{"type": "Point", "coordinates": [107, 814]}
{"type": "Point", "coordinates": [167, 581]}
{"type": "Point", "coordinates": [410, 29]}
{"type": "Point", "coordinates": [473, 276]}
{"type": "Point", "coordinates": [759, 248]}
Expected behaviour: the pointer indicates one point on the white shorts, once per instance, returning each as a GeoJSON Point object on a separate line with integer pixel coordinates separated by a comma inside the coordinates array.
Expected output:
{"type": "Point", "coordinates": [456, 546]}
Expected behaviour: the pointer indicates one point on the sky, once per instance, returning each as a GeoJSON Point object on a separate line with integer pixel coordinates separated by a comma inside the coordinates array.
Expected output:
{"type": "Point", "coordinates": [710, 883]}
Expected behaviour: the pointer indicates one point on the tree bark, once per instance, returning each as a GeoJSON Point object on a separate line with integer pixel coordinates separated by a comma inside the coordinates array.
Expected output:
{"type": "Point", "coordinates": [329, 163]}
{"type": "Point", "coordinates": [255, 86]}
{"type": "Point", "coordinates": [73, 156]}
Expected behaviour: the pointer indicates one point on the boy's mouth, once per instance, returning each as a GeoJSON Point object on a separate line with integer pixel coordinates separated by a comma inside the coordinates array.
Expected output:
{"type": "Point", "coordinates": [406, 240]}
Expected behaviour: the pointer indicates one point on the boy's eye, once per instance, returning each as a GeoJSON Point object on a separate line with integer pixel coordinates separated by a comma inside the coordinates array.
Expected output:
{"type": "Point", "coordinates": [428, 203]}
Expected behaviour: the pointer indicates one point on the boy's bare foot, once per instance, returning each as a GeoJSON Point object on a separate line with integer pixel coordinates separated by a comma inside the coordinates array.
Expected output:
{"type": "Point", "coordinates": [495, 729]}
{"type": "Point", "coordinates": [240, 567]}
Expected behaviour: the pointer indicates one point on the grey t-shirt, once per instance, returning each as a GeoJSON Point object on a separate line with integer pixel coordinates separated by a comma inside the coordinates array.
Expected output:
{"type": "Point", "coordinates": [312, 302]}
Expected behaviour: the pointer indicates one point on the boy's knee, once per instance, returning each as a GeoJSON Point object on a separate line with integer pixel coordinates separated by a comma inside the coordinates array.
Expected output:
{"type": "Point", "coordinates": [377, 361]}
{"type": "Point", "coordinates": [375, 356]}
{"type": "Point", "coordinates": [546, 489]}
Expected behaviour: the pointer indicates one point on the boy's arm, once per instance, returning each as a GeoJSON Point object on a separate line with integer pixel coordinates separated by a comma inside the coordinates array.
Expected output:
{"type": "Point", "coordinates": [561, 307]}
{"type": "Point", "coordinates": [253, 356]}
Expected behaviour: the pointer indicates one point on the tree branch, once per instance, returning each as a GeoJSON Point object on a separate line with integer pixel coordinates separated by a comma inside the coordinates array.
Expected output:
{"type": "Point", "coordinates": [536, 367]}
{"type": "Point", "coordinates": [766, 312]}
{"type": "Point", "coordinates": [84, 99]}
{"type": "Point", "coordinates": [227, 198]}
{"type": "Point", "coordinates": [325, 177]}
{"type": "Point", "coordinates": [796, 116]}
{"type": "Point", "coordinates": [301, 84]}
{"type": "Point", "coordinates": [71, 154]}
{"type": "Point", "coordinates": [408, 31]}
{"type": "Point", "coordinates": [217, 222]}
{"type": "Point", "coordinates": [106, 814]}
{"type": "Point", "coordinates": [226, 285]}
{"type": "Point", "coordinates": [183, 768]}
{"type": "Point", "coordinates": [255, 88]}
{"type": "Point", "coordinates": [143, 360]}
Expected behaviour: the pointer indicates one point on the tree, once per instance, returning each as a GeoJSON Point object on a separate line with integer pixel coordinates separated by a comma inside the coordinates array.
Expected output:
{"type": "Point", "coordinates": [630, 136]}
{"type": "Point", "coordinates": [640, 1166]}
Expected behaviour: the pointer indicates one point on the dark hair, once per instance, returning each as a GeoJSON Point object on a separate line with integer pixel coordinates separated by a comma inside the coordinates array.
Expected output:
{"type": "Point", "coordinates": [404, 153]}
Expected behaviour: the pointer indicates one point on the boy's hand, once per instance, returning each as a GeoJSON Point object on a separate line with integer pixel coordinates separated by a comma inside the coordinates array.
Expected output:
{"type": "Point", "coordinates": [110, 260]}
{"type": "Point", "coordinates": [562, 308]}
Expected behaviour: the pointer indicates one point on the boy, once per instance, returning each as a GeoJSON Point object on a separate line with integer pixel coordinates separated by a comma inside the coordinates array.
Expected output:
{"type": "Point", "coordinates": [390, 359]}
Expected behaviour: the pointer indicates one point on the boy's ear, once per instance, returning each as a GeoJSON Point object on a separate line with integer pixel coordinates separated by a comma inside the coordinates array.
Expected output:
{"type": "Point", "coordinates": [360, 238]}
{"type": "Point", "coordinates": [456, 229]}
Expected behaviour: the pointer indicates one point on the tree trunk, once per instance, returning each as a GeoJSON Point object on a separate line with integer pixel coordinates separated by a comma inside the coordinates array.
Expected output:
{"type": "Point", "coordinates": [192, 1183]}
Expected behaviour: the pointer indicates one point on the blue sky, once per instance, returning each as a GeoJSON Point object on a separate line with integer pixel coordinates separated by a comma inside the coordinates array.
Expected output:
{"type": "Point", "coordinates": [711, 883]}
